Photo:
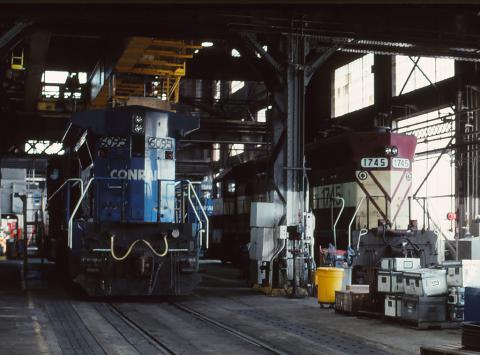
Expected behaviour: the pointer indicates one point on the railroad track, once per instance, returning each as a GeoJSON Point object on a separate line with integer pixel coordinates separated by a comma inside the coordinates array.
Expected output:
{"type": "Point", "coordinates": [160, 347]}
{"type": "Point", "coordinates": [163, 348]}
{"type": "Point", "coordinates": [229, 329]}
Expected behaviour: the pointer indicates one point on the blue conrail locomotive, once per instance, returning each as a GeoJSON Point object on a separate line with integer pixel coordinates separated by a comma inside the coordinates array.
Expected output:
{"type": "Point", "coordinates": [118, 218]}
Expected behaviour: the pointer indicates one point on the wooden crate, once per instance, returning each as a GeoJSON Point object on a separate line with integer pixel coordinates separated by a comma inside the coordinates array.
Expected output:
{"type": "Point", "coordinates": [358, 288]}
{"type": "Point", "coordinates": [351, 302]}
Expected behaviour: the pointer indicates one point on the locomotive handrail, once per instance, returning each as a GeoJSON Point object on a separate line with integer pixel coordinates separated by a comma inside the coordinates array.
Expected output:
{"type": "Point", "coordinates": [64, 183]}
{"type": "Point", "coordinates": [351, 221]}
{"type": "Point", "coordinates": [196, 214]}
{"type": "Point", "coordinates": [338, 218]}
{"type": "Point", "coordinates": [190, 188]}
{"type": "Point", "coordinates": [363, 231]}
{"type": "Point", "coordinates": [82, 196]}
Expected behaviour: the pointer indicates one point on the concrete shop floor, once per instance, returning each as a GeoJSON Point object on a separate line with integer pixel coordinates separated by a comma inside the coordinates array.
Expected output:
{"type": "Point", "coordinates": [50, 320]}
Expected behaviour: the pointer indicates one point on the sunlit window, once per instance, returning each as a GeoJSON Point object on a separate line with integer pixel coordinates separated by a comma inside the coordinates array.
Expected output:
{"type": "Point", "coordinates": [236, 85]}
{"type": "Point", "coordinates": [82, 77]}
{"type": "Point", "coordinates": [353, 86]}
{"type": "Point", "coordinates": [427, 70]}
{"type": "Point", "coordinates": [262, 115]}
{"type": "Point", "coordinates": [217, 90]}
{"type": "Point", "coordinates": [433, 131]}
{"type": "Point", "coordinates": [51, 91]}
{"type": "Point", "coordinates": [54, 77]}
{"type": "Point", "coordinates": [236, 149]}
{"type": "Point", "coordinates": [216, 152]}
{"type": "Point", "coordinates": [265, 48]}
{"type": "Point", "coordinates": [54, 84]}
{"type": "Point", "coordinates": [43, 147]}
{"type": "Point", "coordinates": [235, 53]}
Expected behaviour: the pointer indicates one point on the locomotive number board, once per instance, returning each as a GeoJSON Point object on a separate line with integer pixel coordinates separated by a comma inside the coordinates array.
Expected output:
{"type": "Point", "coordinates": [374, 162]}
{"type": "Point", "coordinates": [400, 163]}
{"type": "Point", "coordinates": [160, 143]}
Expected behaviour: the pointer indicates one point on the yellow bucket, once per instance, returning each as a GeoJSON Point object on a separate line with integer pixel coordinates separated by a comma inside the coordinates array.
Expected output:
{"type": "Point", "coordinates": [329, 280]}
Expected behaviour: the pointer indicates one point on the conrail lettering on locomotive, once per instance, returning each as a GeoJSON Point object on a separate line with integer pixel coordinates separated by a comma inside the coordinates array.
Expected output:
{"type": "Point", "coordinates": [131, 174]}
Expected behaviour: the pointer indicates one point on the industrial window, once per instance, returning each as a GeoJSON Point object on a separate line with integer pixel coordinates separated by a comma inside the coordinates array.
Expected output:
{"type": "Point", "coordinates": [353, 86]}
{"type": "Point", "coordinates": [236, 149]}
{"type": "Point", "coordinates": [55, 77]}
{"type": "Point", "coordinates": [59, 77]}
{"type": "Point", "coordinates": [235, 86]}
{"type": "Point", "coordinates": [412, 73]}
{"type": "Point", "coordinates": [51, 91]}
{"type": "Point", "coordinates": [54, 84]}
{"type": "Point", "coordinates": [434, 130]}
{"type": "Point", "coordinates": [262, 114]}
{"type": "Point", "coordinates": [265, 48]}
{"type": "Point", "coordinates": [217, 90]}
{"type": "Point", "coordinates": [33, 146]}
{"type": "Point", "coordinates": [235, 53]}
{"type": "Point", "coordinates": [216, 152]}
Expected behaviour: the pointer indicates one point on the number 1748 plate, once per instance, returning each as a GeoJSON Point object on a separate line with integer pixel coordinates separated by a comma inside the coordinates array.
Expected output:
{"type": "Point", "coordinates": [374, 162]}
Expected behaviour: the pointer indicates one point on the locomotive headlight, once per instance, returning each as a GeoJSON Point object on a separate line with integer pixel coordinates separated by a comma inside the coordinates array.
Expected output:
{"type": "Point", "coordinates": [175, 233]}
{"type": "Point", "coordinates": [138, 124]}
{"type": "Point", "coordinates": [138, 128]}
{"type": "Point", "coordinates": [391, 151]}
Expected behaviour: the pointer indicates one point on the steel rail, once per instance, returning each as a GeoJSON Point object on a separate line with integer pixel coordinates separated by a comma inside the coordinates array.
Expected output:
{"type": "Point", "coordinates": [230, 330]}
{"type": "Point", "coordinates": [161, 347]}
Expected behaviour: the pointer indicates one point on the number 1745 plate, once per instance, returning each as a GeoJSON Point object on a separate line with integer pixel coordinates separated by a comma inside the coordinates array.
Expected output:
{"type": "Point", "coordinates": [374, 162]}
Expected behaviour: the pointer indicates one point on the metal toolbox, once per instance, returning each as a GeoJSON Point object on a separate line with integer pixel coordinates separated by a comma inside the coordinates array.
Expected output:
{"type": "Point", "coordinates": [424, 309]}
{"type": "Point", "coordinates": [425, 282]}
{"type": "Point", "coordinates": [456, 296]}
{"type": "Point", "coordinates": [390, 281]}
{"type": "Point", "coordinates": [400, 264]}
{"type": "Point", "coordinates": [455, 313]}
{"type": "Point", "coordinates": [393, 305]}
{"type": "Point", "coordinates": [464, 273]}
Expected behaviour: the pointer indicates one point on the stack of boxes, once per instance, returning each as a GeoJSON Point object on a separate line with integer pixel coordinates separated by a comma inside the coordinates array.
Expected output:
{"type": "Point", "coordinates": [390, 282]}
{"type": "Point", "coordinates": [412, 293]}
{"type": "Point", "coordinates": [425, 296]}
{"type": "Point", "coordinates": [460, 274]}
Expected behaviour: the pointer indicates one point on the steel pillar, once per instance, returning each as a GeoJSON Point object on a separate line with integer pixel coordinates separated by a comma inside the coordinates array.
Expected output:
{"type": "Point", "coordinates": [287, 68]}
{"type": "Point", "coordinates": [36, 58]}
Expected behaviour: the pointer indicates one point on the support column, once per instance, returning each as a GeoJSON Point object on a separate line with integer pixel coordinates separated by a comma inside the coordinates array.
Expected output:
{"type": "Point", "coordinates": [286, 75]}
{"type": "Point", "coordinates": [288, 123]}
{"type": "Point", "coordinates": [383, 89]}
{"type": "Point", "coordinates": [37, 56]}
